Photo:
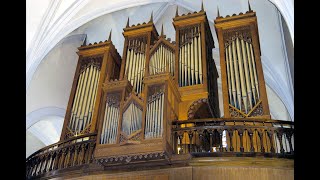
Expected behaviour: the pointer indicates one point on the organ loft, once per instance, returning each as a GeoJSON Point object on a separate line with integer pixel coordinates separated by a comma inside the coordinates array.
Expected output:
{"type": "Point", "coordinates": [157, 105]}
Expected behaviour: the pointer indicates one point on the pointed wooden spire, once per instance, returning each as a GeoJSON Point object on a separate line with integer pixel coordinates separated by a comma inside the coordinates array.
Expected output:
{"type": "Point", "coordinates": [85, 41]}
{"type": "Point", "coordinates": [202, 9]}
{"type": "Point", "coordinates": [151, 18]}
{"type": "Point", "coordinates": [177, 11]}
{"type": "Point", "coordinates": [218, 11]}
{"type": "Point", "coordinates": [127, 23]}
{"type": "Point", "coordinates": [109, 39]}
{"type": "Point", "coordinates": [249, 6]}
{"type": "Point", "coordinates": [161, 30]}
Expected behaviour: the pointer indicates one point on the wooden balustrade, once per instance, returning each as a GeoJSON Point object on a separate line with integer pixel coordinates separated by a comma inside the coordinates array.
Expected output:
{"type": "Point", "coordinates": [69, 153]}
{"type": "Point", "coordinates": [234, 137]}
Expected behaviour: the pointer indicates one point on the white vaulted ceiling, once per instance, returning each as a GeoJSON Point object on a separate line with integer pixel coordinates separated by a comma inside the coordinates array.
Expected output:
{"type": "Point", "coordinates": [55, 28]}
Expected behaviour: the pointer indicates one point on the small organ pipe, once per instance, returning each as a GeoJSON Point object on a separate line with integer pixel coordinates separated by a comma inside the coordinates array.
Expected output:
{"type": "Point", "coordinates": [242, 81]}
{"type": "Point", "coordinates": [246, 71]}
{"type": "Point", "coordinates": [200, 58]}
{"type": "Point", "coordinates": [228, 75]}
{"type": "Point", "coordinates": [195, 47]}
{"type": "Point", "coordinates": [254, 71]}
{"type": "Point", "coordinates": [253, 89]}
{"type": "Point", "coordinates": [233, 87]}
{"type": "Point", "coordinates": [188, 63]}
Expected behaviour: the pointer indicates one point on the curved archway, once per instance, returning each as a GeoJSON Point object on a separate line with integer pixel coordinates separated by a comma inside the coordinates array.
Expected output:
{"type": "Point", "coordinates": [39, 114]}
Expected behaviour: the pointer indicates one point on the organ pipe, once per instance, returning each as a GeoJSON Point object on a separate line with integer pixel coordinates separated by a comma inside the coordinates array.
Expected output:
{"type": "Point", "coordinates": [242, 82]}
{"type": "Point", "coordinates": [131, 119]}
{"type": "Point", "coordinates": [245, 64]}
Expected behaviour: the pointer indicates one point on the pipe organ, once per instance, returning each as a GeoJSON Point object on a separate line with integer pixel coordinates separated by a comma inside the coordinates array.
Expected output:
{"type": "Point", "coordinates": [242, 76]}
{"type": "Point", "coordinates": [158, 105]}
{"type": "Point", "coordinates": [97, 62]}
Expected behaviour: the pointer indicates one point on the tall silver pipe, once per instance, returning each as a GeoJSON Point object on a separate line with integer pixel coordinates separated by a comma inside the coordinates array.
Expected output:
{"type": "Point", "coordinates": [242, 81]}
{"type": "Point", "coordinates": [246, 71]}
{"type": "Point", "coordinates": [236, 74]}
{"type": "Point", "coordinates": [200, 58]}
{"type": "Point", "coordinates": [232, 78]}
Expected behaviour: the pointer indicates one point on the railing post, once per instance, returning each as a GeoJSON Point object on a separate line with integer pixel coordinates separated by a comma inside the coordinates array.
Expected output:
{"type": "Point", "coordinates": [46, 159]}
{"type": "Point", "coordinates": [76, 156]}
{"type": "Point", "coordinates": [91, 147]}
{"type": "Point", "coordinates": [201, 132]}
{"type": "Point", "coordinates": [241, 140]}
{"type": "Point", "coordinates": [41, 163]}
{"type": "Point", "coordinates": [220, 135]}
{"type": "Point", "coordinates": [279, 136]}
{"type": "Point", "coordinates": [190, 134]}
{"type": "Point", "coordinates": [230, 131]}
{"type": "Point", "coordinates": [53, 156]}
{"type": "Point", "coordinates": [210, 134]}
{"type": "Point", "coordinates": [57, 159]}
{"type": "Point", "coordinates": [250, 132]}
{"type": "Point", "coordinates": [272, 148]}
{"type": "Point", "coordinates": [289, 133]}
{"type": "Point", "coordinates": [260, 133]}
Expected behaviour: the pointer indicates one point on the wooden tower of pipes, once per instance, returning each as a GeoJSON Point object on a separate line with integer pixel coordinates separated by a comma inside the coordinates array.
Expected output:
{"type": "Point", "coordinates": [243, 85]}
{"type": "Point", "coordinates": [98, 62]}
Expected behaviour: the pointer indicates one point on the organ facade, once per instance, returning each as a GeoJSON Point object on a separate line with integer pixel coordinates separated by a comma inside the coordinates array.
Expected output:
{"type": "Point", "coordinates": [158, 105]}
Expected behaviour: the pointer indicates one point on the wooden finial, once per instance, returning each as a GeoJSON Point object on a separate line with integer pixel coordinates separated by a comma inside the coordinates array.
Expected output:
{"type": "Point", "coordinates": [85, 41]}
{"type": "Point", "coordinates": [218, 12]}
{"type": "Point", "coordinates": [109, 39]}
{"type": "Point", "coordinates": [161, 30]}
{"type": "Point", "coordinates": [202, 9]}
{"type": "Point", "coordinates": [127, 23]}
{"type": "Point", "coordinates": [151, 18]}
{"type": "Point", "coordinates": [177, 11]}
{"type": "Point", "coordinates": [249, 6]}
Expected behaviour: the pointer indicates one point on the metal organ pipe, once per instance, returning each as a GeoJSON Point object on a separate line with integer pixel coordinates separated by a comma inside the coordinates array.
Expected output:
{"type": "Point", "coordinates": [251, 73]}
{"type": "Point", "coordinates": [242, 81]}
{"type": "Point", "coordinates": [246, 71]}
{"type": "Point", "coordinates": [233, 87]}
{"type": "Point", "coordinates": [236, 73]}
{"type": "Point", "coordinates": [254, 71]}
{"type": "Point", "coordinates": [228, 76]}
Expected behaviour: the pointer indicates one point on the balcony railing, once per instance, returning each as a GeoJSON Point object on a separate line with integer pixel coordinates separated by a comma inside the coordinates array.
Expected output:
{"type": "Point", "coordinates": [75, 151]}
{"type": "Point", "coordinates": [234, 137]}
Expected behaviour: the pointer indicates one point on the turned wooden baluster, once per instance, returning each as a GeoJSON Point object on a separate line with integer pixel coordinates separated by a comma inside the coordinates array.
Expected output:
{"type": "Point", "coordinates": [91, 148]}
{"type": "Point", "coordinates": [270, 135]}
{"type": "Point", "coordinates": [64, 153]}
{"type": "Point", "coordinates": [240, 131]}
{"type": "Point", "coordinates": [76, 154]}
{"type": "Point", "coordinates": [70, 158]}
{"type": "Point", "coordinates": [180, 136]}
{"type": "Point", "coordinates": [289, 133]}
{"type": "Point", "coordinates": [46, 159]}
{"type": "Point", "coordinates": [190, 135]}
{"type": "Point", "coordinates": [53, 156]}
{"type": "Point", "coordinates": [260, 133]}
{"type": "Point", "coordinates": [201, 132]}
{"type": "Point", "coordinates": [175, 142]}
{"type": "Point", "coordinates": [221, 146]}
{"type": "Point", "coordinates": [57, 159]}
{"type": "Point", "coordinates": [279, 136]}
{"type": "Point", "coordinates": [250, 132]}
{"type": "Point", "coordinates": [84, 149]}
{"type": "Point", "coordinates": [41, 164]}
{"type": "Point", "coordinates": [230, 131]}
{"type": "Point", "coordinates": [210, 131]}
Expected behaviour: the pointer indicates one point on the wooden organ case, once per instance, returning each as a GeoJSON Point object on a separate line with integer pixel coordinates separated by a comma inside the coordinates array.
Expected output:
{"type": "Point", "coordinates": [243, 85]}
{"type": "Point", "coordinates": [160, 81]}
{"type": "Point", "coordinates": [97, 63]}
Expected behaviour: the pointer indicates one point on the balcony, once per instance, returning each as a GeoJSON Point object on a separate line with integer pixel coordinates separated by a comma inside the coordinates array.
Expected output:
{"type": "Point", "coordinates": [191, 140]}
